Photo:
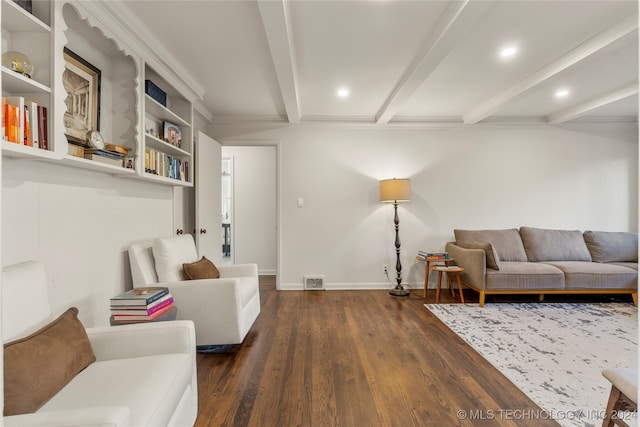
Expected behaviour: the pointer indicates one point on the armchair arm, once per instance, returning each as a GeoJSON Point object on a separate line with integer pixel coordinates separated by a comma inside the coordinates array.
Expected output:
{"type": "Point", "coordinates": [214, 305]}
{"type": "Point", "coordinates": [472, 260]}
{"type": "Point", "coordinates": [103, 416]}
{"type": "Point", "coordinates": [144, 339]}
{"type": "Point", "coordinates": [238, 270]}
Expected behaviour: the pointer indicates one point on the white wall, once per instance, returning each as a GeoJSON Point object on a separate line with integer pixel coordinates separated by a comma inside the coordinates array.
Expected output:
{"type": "Point", "coordinates": [79, 224]}
{"type": "Point", "coordinates": [482, 176]}
{"type": "Point", "coordinates": [254, 199]}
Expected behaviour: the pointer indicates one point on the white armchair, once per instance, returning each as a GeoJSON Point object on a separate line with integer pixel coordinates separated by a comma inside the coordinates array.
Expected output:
{"type": "Point", "coordinates": [143, 374]}
{"type": "Point", "coordinates": [223, 310]}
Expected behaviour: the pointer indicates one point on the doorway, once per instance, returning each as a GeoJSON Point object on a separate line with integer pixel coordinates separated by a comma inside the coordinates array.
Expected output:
{"type": "Point", "coordinates": [227, 206]}
{"type": "Point", "coordinates": [251, 206]}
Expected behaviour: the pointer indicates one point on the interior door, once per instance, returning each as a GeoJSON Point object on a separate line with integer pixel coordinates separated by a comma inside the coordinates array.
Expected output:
{"type": "Point", "coordinates": [208, 184]}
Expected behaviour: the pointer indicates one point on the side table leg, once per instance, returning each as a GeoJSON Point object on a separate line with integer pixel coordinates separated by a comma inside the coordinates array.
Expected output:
{"type": "Point", "coordinates": [460, 287]}
{"type": "Point", "coordinates": [426, 280]}
{"type": "Point", "coordinates": [438, 289]}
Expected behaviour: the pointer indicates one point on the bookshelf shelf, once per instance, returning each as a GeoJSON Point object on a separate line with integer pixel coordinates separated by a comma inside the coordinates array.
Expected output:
{"type": "Point", "coordinates": [17, 83]}
{"type": "Point", "coordinates": [158, 144]}
{"type": "Point", "coordinates": [15, 19]}
{"type": "Point", "coordinates": [161, 112]}
{"type": "Point", "coordinates": [19, 151]}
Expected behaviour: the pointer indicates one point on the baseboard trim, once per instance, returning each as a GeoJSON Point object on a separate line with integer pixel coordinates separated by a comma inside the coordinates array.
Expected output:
{"type": "Point", "coordinates": [350, 286]}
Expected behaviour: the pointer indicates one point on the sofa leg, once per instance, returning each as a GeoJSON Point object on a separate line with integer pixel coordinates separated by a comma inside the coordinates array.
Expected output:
{"type": "Point", "coordinates": [481, 299]}
{"type": "Point", "coordinates": [541, 297]}
{"type": "Point", "coordinates": [635, 298]}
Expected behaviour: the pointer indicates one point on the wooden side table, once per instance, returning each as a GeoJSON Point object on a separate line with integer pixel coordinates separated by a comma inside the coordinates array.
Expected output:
{"type": "Point", "coordinates": [451, 269]}
{"type": "Point", "coordinates": [427, 269]}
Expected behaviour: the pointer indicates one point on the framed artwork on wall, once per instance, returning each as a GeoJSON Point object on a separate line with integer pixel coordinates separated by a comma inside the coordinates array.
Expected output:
{"type": "Point", "coordinates": [81, 81]}
{"type": "Point", "coordinates": [172, 133]}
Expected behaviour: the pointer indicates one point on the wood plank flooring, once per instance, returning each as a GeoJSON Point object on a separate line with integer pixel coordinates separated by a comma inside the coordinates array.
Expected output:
{"type": "Point", "coordinates": [354, 358]}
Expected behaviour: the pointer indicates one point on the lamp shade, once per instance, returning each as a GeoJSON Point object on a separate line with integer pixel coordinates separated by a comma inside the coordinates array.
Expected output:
{"type": "Point", "coordinates": [395, 190]}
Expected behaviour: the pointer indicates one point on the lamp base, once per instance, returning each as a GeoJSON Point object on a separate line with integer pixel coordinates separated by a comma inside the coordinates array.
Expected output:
{"type": "Point", "coordinates": [399, 291]}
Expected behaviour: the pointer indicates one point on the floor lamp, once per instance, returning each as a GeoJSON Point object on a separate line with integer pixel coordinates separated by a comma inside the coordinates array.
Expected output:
{"type": "Point", "coordinates": [396, 191]}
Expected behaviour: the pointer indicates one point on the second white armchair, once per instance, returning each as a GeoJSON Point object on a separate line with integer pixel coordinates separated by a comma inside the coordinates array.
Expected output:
{"type": "Point", "coordinates": [223, 309]}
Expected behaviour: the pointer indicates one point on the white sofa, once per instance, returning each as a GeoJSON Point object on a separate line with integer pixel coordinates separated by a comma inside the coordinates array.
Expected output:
{"type": "Point", "coordinates": [223, 310]}
{"type": "Point", "coordinates": [143, 375]}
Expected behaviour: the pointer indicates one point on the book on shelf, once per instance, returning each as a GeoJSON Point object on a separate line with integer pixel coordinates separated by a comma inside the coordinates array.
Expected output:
{"type": "Point", "coordinates": [102, 159]}
{"type": "Point", "coordinates": [145, 318]}
{"type": "Point", "coordinates": [24, 122]}
{"type": "Point", "coordinates": [119, 149]}
{"type": "Point", "coordinates": [103, 153]}
{"type": "Point", "coordinates": [75, 150]}
{"type": "Point", "coordinates": [13, 119]}
{"type": "Point", "coordinates": [132, 310]}
{"type": "Point", "coordinates": [32, 107]}
{"type": "Point", "coordinates": [163, 164]}
{"type": "Point", "coordinates": [141, 296]}
{"type": "Point", "coordinates": [42, 127]}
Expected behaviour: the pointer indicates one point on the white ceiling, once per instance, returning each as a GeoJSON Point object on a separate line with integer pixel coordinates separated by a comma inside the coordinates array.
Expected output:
{"type": "Point", "coordinates": [403, 61]}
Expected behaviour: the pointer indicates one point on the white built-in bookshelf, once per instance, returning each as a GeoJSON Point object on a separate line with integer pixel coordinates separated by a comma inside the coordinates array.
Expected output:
{"type": "Point", "coordinates": [128, 117]}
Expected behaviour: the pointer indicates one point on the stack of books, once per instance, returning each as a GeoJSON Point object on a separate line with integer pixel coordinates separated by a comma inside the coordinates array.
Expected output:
{"type": "Point", "coordinates": [141, 305]}
{"type": "Point", "coordinates": [112, 154]}
{"type": "Point", "coordinates": [434, 255]}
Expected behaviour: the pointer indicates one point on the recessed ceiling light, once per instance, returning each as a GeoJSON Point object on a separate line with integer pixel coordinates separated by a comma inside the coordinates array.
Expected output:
{"type": "Point", "coordinates": [508, 52]}
{"type": "Point", "coordinates": [343, 92]}
{"type": "Point", "coordinates": [562, 93]}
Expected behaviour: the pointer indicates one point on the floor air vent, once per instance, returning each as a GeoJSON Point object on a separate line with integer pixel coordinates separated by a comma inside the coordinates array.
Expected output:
{"type": "Point", "coordinates": [313, 283]}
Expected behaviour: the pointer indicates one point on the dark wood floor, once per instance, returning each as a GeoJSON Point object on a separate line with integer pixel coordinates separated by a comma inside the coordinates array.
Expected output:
{"type": "Point", "coordinates": [354, 358]}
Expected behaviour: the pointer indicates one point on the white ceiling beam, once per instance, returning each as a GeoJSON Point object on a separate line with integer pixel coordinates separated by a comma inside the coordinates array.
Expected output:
{"type": "Point", "coordinates": [276, 19]}
{"type": "Point", "coordinates": [582, 51]}
{"type": "Point", "coordinates": [456, 20]}
{"type": "Point", "coordinates": [582, 109]}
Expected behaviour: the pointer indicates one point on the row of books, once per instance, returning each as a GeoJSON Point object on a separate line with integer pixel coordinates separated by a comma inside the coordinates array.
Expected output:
{"type": "Point", "coordinates": [163, 164]}
{"type": "Point", "coordinates": [24, 122]}
{"type": "Point", "coordinates": [141, 304]}
{"type": "Point", "coordinates": [434, 255]}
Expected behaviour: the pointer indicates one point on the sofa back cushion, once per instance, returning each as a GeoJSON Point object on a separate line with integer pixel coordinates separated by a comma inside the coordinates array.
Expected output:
{"type": "Point", "coordinates": [554, 245]}
{"type": "Point", "coordinates": [143, 266]}
{"type": "Point", "coordinates": [507, 243]}
{"type": "Point", "coordinates": [170, 253]}
{"type": "Point", "coordinates": [608, 246]}
{"type": "Point", "coordinates": [25, 300]}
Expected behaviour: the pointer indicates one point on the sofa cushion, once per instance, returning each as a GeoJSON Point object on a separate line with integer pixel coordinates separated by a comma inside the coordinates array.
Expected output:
{"type": "Point", "coordinates": [554, 245]}
{"type": "Point", "coordinates": [151, 386]}
{"type": "Point", "coordinates": [525, 276]}
{"type": "Point", "coordinates": [507, 243]}
{"type": "Point", "coordinates": [40, 365]}
{"type": "Point", "coordinates": [170, 253]}
{"type": "Point", "coordinates": [201, 269]}
{"type": "Point", "coordinates": [593, 275]}
{"type": "Point", "coordinates": [607, 246]}
{"type": "Point", "coordinates": [490, 254]}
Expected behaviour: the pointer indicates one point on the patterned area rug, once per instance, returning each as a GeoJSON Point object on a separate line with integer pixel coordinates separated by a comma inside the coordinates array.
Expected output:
{"type": "Point", "coordinates": [553, 352]}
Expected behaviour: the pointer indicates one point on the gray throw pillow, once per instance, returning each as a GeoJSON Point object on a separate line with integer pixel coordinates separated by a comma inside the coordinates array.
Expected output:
{"type": "Point", "coordinates": [611, 246]}
{"type": "Point", "coordinates": [491, 256]}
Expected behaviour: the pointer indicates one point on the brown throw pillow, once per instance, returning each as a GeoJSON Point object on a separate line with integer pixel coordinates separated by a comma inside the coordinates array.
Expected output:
{"type": "Point", "coordinates": [202, 269]}
{"type": "Point", "coordinates": [489, 251]}
{"type": "Point", "coordinates": [40, 365]}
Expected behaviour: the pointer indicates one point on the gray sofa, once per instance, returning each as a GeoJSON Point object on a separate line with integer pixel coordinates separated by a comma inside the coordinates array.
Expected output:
{"type": "Point", "coordinates": [542, 261]}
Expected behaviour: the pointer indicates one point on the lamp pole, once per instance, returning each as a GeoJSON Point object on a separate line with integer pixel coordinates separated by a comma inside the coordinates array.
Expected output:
{"type": "Point", "coordinates": [398, 291]}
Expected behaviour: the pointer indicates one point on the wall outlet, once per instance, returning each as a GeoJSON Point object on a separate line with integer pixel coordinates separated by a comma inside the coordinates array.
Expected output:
{"type": "Point", "coordinates": [385, 269]}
